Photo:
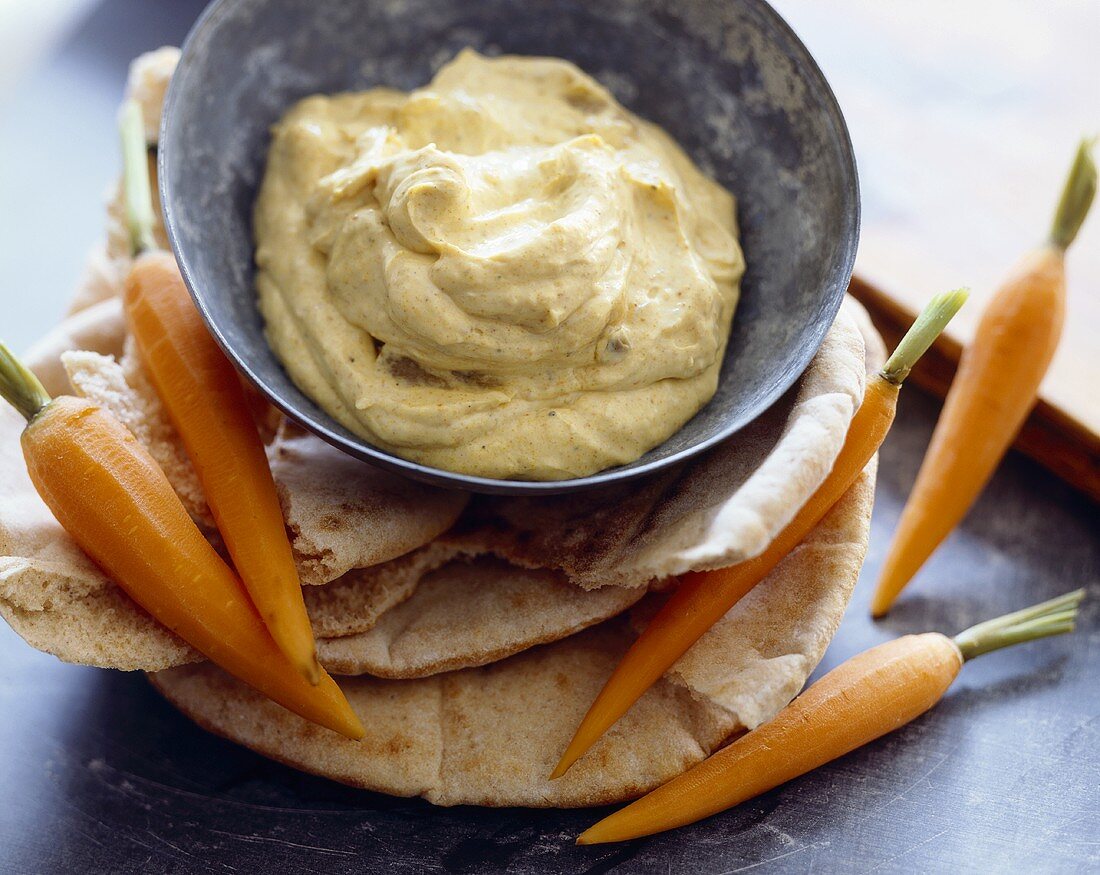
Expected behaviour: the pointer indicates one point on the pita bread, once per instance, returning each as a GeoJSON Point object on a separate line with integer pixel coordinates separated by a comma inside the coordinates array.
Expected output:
{"type": "Point", "coordinates": [472, 613]}
{"type": "Point", "coordinates": [490, 735]}
{"type": "Point", "coordinates": [101, 279]}
{"type": "Point", "coordinates": [741, 673]}
{"type": "Point", "coordinates": [147, 82]}
{"type": "Point", "coordinates": [717, 510]}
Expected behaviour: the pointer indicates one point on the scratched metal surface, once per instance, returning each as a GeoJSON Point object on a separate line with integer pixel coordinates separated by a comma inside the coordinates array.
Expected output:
{"type": "Point", "coordinates": [98, 774]}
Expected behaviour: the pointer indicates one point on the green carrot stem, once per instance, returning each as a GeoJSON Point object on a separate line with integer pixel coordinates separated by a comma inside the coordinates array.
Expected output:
{"type": "Point", "coordinates": [922, 333]}
{"type": "Point", "coordinates": [135, 179]}
{"type": "Point", "coordinates": [1054, 617]}
{"type": "Point", "coordinates": [1076, 196]}
{"type": "Point", "coordinates": [19, 387]}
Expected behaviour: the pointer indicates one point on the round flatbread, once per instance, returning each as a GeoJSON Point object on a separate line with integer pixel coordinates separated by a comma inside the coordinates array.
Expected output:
{"type": "Point", "coordinates": [491, 735]}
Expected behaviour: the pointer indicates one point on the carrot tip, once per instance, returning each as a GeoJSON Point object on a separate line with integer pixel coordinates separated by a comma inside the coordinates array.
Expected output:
{"type": "Point", "coordinates": [353, 727]}
{"type": "Point", "coordinates": [594, 835]}
{"type": "Point", "coordinates": [577, 748]}
{"type": "Point", "coordinates": [881, 604]}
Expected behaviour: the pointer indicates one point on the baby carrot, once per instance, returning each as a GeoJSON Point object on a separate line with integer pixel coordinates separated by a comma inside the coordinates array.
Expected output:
{"type": "Point", "coordinates": [702, 598]}
{"type": "Point", "coordinates": [860, 700]}
{"type": "Point", "coordinates": [207, 405]}
{"type": "Point", "coordinates": [113, 499]}
{"type": "Point", "coordinates": [992, 393]}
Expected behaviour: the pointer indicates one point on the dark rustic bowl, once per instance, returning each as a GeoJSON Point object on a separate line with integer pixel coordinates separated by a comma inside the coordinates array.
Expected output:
{"type": "Point", "coordinates": [729, 80]}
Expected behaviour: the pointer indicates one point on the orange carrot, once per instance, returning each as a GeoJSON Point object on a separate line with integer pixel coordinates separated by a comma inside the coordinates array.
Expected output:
{"type": "Point", "coordinates": [703, 598]}
{"type": "Point", "coordinates": [113, 499]}
{"type": "Point", "coordinates": [206, 403]}
{"type": "Point", "coordinates": [993, 391]}
{"type": "Point", "coordinates": [866, 697]}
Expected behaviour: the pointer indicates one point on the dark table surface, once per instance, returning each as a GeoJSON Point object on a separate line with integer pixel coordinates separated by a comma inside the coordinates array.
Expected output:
{"type": "Point", "coordinates": [98, 774]}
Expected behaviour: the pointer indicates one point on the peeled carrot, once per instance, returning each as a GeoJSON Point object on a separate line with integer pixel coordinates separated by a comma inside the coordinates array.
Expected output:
{"type": "Point", "coordinates": [993, 391]}
{"type": "Point", "coordinates": [114, 500]}
{"type": "Point", "coordinates": [206, 403]}
{"type": "Point", "coordinates": [703, 598]}
{"type": "Point", "coordinates": [860, 700]}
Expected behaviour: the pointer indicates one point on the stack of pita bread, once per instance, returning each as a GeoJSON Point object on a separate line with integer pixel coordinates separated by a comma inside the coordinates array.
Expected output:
{"type": "Point", "coordinates": [470, 633]}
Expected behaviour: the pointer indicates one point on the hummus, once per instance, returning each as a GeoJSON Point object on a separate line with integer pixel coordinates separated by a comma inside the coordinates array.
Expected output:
{"type": "Point", "coordinates": [504, 273]}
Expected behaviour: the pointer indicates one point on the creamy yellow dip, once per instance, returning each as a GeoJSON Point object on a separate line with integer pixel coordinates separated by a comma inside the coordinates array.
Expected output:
{"type": "Point", "coordinates": [504, 273]}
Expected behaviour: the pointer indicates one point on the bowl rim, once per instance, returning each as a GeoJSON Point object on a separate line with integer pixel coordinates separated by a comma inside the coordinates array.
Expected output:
{"type": "Point", "coordinates": [364, 451]}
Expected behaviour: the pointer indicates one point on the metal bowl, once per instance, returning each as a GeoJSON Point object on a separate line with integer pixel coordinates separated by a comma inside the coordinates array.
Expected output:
{"type": "Point", "coordinates": [729, 80]}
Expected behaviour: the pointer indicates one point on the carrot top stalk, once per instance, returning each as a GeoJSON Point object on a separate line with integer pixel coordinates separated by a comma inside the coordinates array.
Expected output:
{"type": "Point", "coordinates": [860, 700]}
{"type": "Point", "coordinates": [1077, 197]}
{"type": "Point", "coordinates": [703, 598]}
{"type": "Point", "coordinates": [1056, 616]}
{"type": "Point", "coordinates": [993, 391]}
{"type": "Point", "coordinates": [113, 499]}
{"type": "Point", "coordinates": [928, 325]}
{"type": "Point", "coordinates": [206, 403]}
{"type": "Point", "coordinates": [20, 387]}
{"type": "Point", "coordinates": [137, 193]}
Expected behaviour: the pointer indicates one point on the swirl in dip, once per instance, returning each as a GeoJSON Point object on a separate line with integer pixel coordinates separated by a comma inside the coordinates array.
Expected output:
{"type": "Point", "coordinates": [504, 273]}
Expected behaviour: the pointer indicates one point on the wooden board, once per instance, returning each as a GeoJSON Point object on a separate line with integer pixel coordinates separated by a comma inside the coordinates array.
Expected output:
{"type": "Point", "coordinates": [965, 117]}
